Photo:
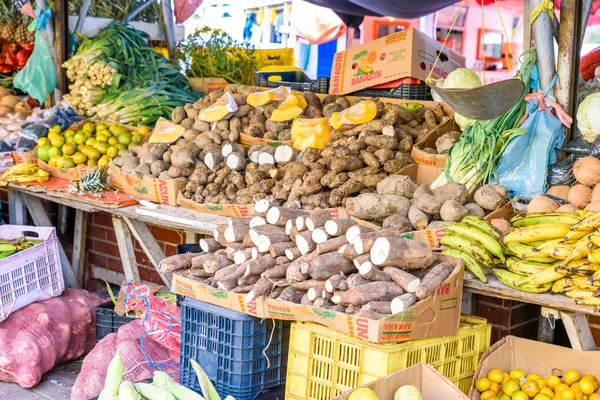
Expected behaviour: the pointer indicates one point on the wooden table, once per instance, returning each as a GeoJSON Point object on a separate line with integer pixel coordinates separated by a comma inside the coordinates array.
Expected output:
{"type": "Point", "coordinates": [554, 306]}
{"type": "Point", "coordinates": [127, 221]}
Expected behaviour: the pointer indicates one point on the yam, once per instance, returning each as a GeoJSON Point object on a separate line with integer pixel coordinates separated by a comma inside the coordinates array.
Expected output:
{"type": "Point", "coordinates": [453, 211]}
{"type": "Point", "coordinates": [452, 191]}
{"type": "Point", "coordinates": [474, 209]}
{"type": "Point", "coordinates": [401, 222]}
{"type": "Point", "coordinates": [418, 218]}
{"type": "Point", "coordinates": [347, 250]}
{"type": "Point", "coordinates": [491, 197]}
{"type": "Point", "coordinates": [397, 185]}
{"type": "Point", "coordinates": [376, 207]}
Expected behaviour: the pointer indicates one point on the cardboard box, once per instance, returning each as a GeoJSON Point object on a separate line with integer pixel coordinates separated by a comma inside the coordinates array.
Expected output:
{"type": "Point", "coordinates": [207, 85]}
{"type": "Point", "coordinates": [162, 191]}
{"type": "Point", "coordinates": [534, 358]}
{"type": "Point", "coordinates": [435, 316]}
{"type": "Point", "coordinates": [70, 174]}
{"type": "Point", "coordinates": [432, 384]}
{"type": "Point", "coordinates": [409, 53]}
{"type": "Point", "coordinates": [20, 157]}
{"type": "Point", "coordinates": [438, 161]}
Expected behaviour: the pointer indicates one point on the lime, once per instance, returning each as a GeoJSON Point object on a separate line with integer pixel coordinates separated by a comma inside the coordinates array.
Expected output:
{"type": "Point", "coordinates": [68, 133]}
{"type": "Point", "coordinates": [89, 127]}
{"type": "Point", "coordinates": [53, 135]}
{"type": "Point", "coordinates": [58, 141]}
{"type": "Point", "coordinates": [92, 162]}
{"type": "Point", "coordinates": [90, 141]}
{"type": "Point", "coordinates": [137, 138]}
{"type": "Point", "coordinates": [53, 160]}
{"type": "Point", "coordinates": [42, 152]}
{"type": "Point", "coordinates": [80, 137]}
{"type": "Point", "coordinates": [80, 146]}
{"type": "Point", "coordinates": [43, 140]}
{"type": "Point", "coordinates": [100, 137]}
{"type": "Point", "coordinates": [70, 139]}
{"type": "Point", "coordinates": [68, 163]}
{"type": "Point", "coordinates": [113, 128]}
{"type": "Point", "coordinates": [56, 128]}
{"type": "Point", "coordinates": [79, 158]}
{"type": "Point", "coordinates": [69, 148]}
{"type": "Point", "coordinates": [101, 147]}
{"type": "Point", "coordinates": [93, 153]}
{"type": "Point", "coordinates": [113, 141]}
{"type": "Point", "coordinates": [125, 138]}
{"type": "Point", "coordinates": [54, 151]}
{"type": "Point", "coordinates": [121, 147]}
{"type": "Point", "coordinates": [100, 127]}
{"type": "Point", "coordinates": [112, 152]}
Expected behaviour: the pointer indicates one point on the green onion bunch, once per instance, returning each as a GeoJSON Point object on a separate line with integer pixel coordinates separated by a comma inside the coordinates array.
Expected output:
{"type": "Point", "coordinates": [474, 156]}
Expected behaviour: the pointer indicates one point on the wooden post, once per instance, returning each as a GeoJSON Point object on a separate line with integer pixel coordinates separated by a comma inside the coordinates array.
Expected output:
{"type": "Point", "coordinates": [79, 239]}
{"type": "Point", "coordinates": [17, 213]}
{"type": "Point", "coordinates": [126, 251]}
{"type": "Point", "coordinates": [579, 332]}
{"type": "Point", "coordinates": [61, 43]}
{"type": "Point", "coordinates": [148, 244]}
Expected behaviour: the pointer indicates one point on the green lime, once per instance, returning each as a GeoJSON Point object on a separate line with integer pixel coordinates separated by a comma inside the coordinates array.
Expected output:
{"type": "Point", "coordinates": [69, 149]}
{"type": "Point", "coordinates": [58, 141]}
{"type": "Point", "coordinates": [125, 138]}
{"type": "Point", "coordinates": [43, 140]}
{"type": "Point", "coordinates": [137, 138]}
{"type": "Point", "coordinates": [89, 127]}
{"type": "Point", "coordinates": [43, 152]}
{"type": "Point", "coordinates": [100, 137]}
{"type": "Point", "coordinates": [54, 151]}
{"type": "Point", "coordinates": [121, 147]}
{"type": "Point", "coordinates": [113, 140]}
{"type": "Point", "coordinates": [79, 158]}
{"type": "Point", "coordinates": [101, 147]}
{"type": "Point", "coordinates": [90, 141]}
{"type": "Point", "coordinates": [80, 137]}
{"type": "Point", "coordinates": [112, 152]}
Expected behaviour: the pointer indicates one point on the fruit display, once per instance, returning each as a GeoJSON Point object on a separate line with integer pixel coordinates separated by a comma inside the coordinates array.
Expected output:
{"type": "Point", "coordinates": [312, 259]}
{"type": "Point", "coordinates": [24, 173]}
{"type": "Point", "coordinates": [8, 247]}
{"type": "Point", "coordinates": [92, 145]}
{"type": "Point", "coordinates": [515, 385]}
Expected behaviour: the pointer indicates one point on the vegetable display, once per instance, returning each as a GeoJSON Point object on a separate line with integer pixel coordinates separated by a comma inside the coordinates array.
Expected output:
{"type": "Point", "coordinates": [10, 104]}
{"type": "Point", "coordinates": [312, 259]}
{"type": "Point", "coordinates": [462, 78]}
{"type": "Point", "coordinates": [588, 121]}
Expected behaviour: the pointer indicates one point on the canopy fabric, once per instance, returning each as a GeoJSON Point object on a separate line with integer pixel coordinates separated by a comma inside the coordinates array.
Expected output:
{"type": "Point", "coordinates": [405, 9]}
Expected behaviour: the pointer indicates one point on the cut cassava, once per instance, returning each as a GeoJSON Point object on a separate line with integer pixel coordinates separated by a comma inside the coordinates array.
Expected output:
{"type": "Point", "coordinates": [176, 263]}
{"type": "Point", "coordinates": [305, 242]}
{"type": "Point", "coordinates": [338, 227]}
{"type": "Point", "coordinates": [402, 253]}
{"type": "Point", "coordinates": [274, 233]}
{"type": "Point", "coordinates": [327, 265]}
{"type": "Point", "coordinates": [209, 245]}
{"type": "Point", "coordinates": [347, 250]}
{"type": "Point", "coordinates": [280, 215]}
{"type": "Point", "coordinates": [403, 302]}
{"type": "Point", "coordinates": [262, 286]}
{"type": "Point", "coordinates": [331, 245]}
{"type": "Point", "coordinates": [319, 235]}
{"type": "Point", "coordinates": [292, 253]}
{"type": "Point", "coordinates": [260, 265]}
{"type": "Point", "coordinates": [317, 219]}
{"type": "Point", "coordinates": [352, 281]}
{"type": "Point", "coordinates": [370, 272]}
{"type": "Point", "coordinates": [278, 249]}
{"type": "Point", "coordinates": [364, 242]}
{"type": "Point", "coordinates": [354, 231]}
{"type": "Point", "coordinates": [333, 282]}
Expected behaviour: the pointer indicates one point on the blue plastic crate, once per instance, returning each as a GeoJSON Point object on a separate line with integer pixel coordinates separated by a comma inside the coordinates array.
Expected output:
{"type": "Point", "coordinates": [229, 346]}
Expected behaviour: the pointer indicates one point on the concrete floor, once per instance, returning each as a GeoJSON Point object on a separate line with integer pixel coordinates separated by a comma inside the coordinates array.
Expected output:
{"type": "Point", "coordinates": [55, 385]}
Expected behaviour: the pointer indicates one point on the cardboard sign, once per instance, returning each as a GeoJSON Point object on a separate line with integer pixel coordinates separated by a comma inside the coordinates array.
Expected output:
{"type": "Point", "coordinates": [162, 191]}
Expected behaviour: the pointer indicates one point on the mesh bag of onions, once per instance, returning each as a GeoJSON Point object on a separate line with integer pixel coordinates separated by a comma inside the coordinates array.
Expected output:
{"type": "Point", "coordinates": [36, 338]}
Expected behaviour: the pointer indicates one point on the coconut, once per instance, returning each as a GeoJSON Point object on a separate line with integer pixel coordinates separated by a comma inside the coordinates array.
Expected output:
{"type": "Point", "coordinates": [580, 196]}
{"type": "Point", "coordinates": [587, 171]}
{"type": "Point", "coordinates": [541, 204]}
{"type": "Point", "coordinates": [560, 191]}
{"type": "Point", "coordinates": [567, 208]}
{"type": "Point", "coordinates": [593, 206]}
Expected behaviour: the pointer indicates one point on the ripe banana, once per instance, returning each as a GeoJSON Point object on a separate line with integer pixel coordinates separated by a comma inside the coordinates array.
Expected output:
{"type": "Point", "coordinates": [470, 263]}
{"type": "Point", "coordinates": [579, 250]}
{"type": "Point", "coordinates": [595, 239]}
{"type": "Point", "coordinates": [576, 235]}
{"type": "Point", "coordinates": [594, 256]}
{"type": "Point", "coordinates": [589, 301]}
{"type": "Point", "coordinates": [509, 278]}
{"type": "Point", "coordinates": [528, 252]}
{"type": "Point", "coordinates": [559, 252]}
{"type": "Point", "coordinates": [585, 213]}
{"type": "Point", "coordinates": [579, 294]}
{"type": "Point", "coordinates": [581, 267]}
{"type": "Point", "coordinates": [489, 242]}
{"type": "Point", "coordinates": [524, 267]}
{"type": "Point", "coordinates": [552, 218]}
{"type": "Point", "coordinates": [473, 249]}
{"type": "Point", "coordinates": [483, 225]}
{"type": "Point", "coordinates": [537, 232]}
{"type": "Point", "coordinates": [551, 243]}
{"type": "Point", "coordinates": [562, 285]}
{"type": "Point", "coordinates": [590, 223]}
{"type": "Point", "coordinates": [546, 276]}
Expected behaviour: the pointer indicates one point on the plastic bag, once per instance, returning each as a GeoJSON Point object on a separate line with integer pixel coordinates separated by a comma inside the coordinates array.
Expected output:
{"type": "Point", "coordinates": [578, 146]}
{"type": "Point", "coordinates": [290, 108]}
{"type": "Point", "coordinates": [38, 78]}
{"type": "Point", "coordinates": [310, 133]}
{"type": "Point", "coordinates": [360, 113]}
{"type": "Point", "coordinates": [561, 173]}
{"type": "Point", "coordinates": [522, 168]}
{"type": "Point", "coordinates": [223, 108]}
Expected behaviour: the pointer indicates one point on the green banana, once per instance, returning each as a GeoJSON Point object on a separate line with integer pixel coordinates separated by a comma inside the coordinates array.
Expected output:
{"type": "Point", "coordinates": [8, 247]}
{"type": "Point", "coordinates": [509, 278]}
{"type": "Point", "coordinates": [470, 263]}
{"type": "Point", "coordinates": [489, 242]}
{"type": "Point", "coordinates": [545, 218]}
{"type": "Point", "coordinates": [528, 252]}
{"type": "Point", "coordinates": [6, 254]}
{"type": "Point", "coordinates": [524, 267]}
{"type": "Point", "coordinates": [468, 246]}
{"type": "Point", "coordinates": [483, 225]}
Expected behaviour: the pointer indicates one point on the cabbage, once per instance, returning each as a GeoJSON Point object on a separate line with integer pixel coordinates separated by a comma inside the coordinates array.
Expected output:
{"type": "Point", "coordinates": [588, 117]}
{"type": "Point", "coordinates": [462, 78]}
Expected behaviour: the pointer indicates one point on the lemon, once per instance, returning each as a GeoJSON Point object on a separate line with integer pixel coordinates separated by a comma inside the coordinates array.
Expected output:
{"type": "Point", "coordinates": [487, 395]}
{"type": "Point", "coordinates": [53, 135]}
{"type": "Point", "coordinates": [571, 377]}
{"type": "Point", "coordinates": [90, 141]}
{"type": "Point", "coordinates": [53, 160]}
{"type": "Point", "coordinates": [100, 137]}
{"type": "Point", "coordinates": [79, 158]}
{"type": "Point", "coordinates": [58, 141]}
{"type": "Point", "coordinates": [542, 396]}
{"type": "Point", "coordinates": [496, 375]}
{"type": "Point", "coordinates": [363, 394]}
{"type": "Point", "coordinates": [92, 162]}
{"type": "Point", "coordinates": [68, 163]}
{"type": "Point", "coordinates": [510, 387]}
{"type": "Point", "coordinates": [101, 147]}
{"type": "Point", "coordinates": [101, 126]}
{"type": "Point", "coordinates": [43, 152]}
{"type": "Point", "coordinates": [586, 386]}
{"type": "Point", "coordinates": [43, 141]}
{"type": "Point", "coordinates": [54, 151]}
{"type": "Point", "coordinates": [103, 161]}
{"type": "Point", "coordinates": [89, 127]}
{"type": "Point", "coordinates": [93, 153]}
{"type": "Point", "coordinates": [552, 381]}
{"type": "Point", "coordinates": [121, 147]}
{"type": "Point", "coordinates": [530, 387]}
{"type": "Point", "coordinates": [483, 384]}
{"type": "Point", "coordinates": [519, 395]}
{"type": "Point", "coordinates": [69, 148]}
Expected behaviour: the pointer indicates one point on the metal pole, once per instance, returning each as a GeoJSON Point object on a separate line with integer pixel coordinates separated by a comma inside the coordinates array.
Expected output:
{"type": "Point", "coordinates": [169, 25]}
{"type": "Point", "coordinates": [61, 22]}
{"type": "Point", "coordinates": [82, 14]}
{"type": "Point", "coordinates": [544, 42]}
{"type": "Point", "coordinates": [133, 13]}
{"type": "Point", "coordinates": [586, 9]}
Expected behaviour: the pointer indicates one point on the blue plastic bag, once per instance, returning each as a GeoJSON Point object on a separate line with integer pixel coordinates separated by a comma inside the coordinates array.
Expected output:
{"type": "Point", "coordinates": [522, 167]}
{"type": "Point", "coordinates": [38, 78]}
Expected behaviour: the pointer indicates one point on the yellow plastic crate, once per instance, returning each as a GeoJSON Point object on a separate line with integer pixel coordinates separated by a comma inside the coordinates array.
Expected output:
{"type": "Point", "coordinates": [274, 58]}
{"type": "Point", "coordinates": [323, 363]}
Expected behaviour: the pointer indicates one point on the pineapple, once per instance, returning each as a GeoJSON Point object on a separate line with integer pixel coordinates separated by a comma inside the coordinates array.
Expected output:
{"type": "Point", "coordinates": [8, 33]}
{"type": "Point", "coordinates": [94, 181]}
{"type": "Point", "coordinates": [21, 34]}
{"type": "Point", "coordinates": [10, 17]}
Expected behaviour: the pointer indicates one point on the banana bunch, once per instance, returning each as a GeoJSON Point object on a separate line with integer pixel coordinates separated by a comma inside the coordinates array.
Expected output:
{"type": "Point", "coordinates": [9, 247]}
{"type": "Point", "coordinates": [24, 173]}
{"type": "Point", "coordinates": [476, 242]}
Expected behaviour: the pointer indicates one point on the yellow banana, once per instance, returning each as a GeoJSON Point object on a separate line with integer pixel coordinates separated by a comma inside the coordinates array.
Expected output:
{"type": "Point", "coordinates": [594, 256]}
{"type": "Point", "coordinates": [559, 252]}
{"type": "Point", "coordinates": [579, 250]}
{"type": "Point", "coordinates": [487, 241]}
{"type": "Point", "coordinates": [595, 277]}
{"type": "Point", "coordinates": [579, 294]}
{"type": "Point", "coordinates": [585, 213]}
{"type": "Point", "coordinates": [466, 245]}
{"type": "Point", "coordinates": [579, 267]}
{"type": "Point", "coordinates": [562, 285]}
{"type": "Point", "coordinates": [551, 243]}
{"type": "Point", "coordinates": [576, 235]}
{"type": "Point", "coordinates": [589, 223]}
{"type": "Point", "coordinates": [528, 252]}
{"type": "Point", "coordinates": [545, 276]}
{"type": "Point", "coordinates": [541, 218]}
{"type": "Point", "coordinates": [537, 232]}
{"type": "Point", "coordinates": [470, 263]}
{"type": "Point", "coordinates": [509, 278]}
{"type": "Point", "coordinates": [595, 239]}
{"type": "Point", "coordinates": [482, 225]}
{"type": "Point", "coordinates": [524, 267]}
{"type": "Point", "coordinates": [589, 301]}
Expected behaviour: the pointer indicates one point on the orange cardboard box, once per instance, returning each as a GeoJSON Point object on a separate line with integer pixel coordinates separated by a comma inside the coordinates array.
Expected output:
{"type": "Point", "coordinates": [438, 161]}
{"type": "Point", "coordinates": [20, 157]}
{"type": "Point", "coordinates": [70, 174]}
{"type": "Point", "coordinates": [162, 191]}
{"type": "Point", "coordinates": [409, 53]}
{"type": "Point", "coordinates": [534, 357]}
{"type": "Point", "coordinates": [435, 316]}
{"type": "Point", "coordinates": [207, 85]}
{"type": "Point", "coordinates": [432, 384]}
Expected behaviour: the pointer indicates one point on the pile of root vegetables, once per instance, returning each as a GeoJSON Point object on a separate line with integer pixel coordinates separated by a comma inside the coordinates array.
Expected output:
{"type": "Point", "coordinates": [313, 259]}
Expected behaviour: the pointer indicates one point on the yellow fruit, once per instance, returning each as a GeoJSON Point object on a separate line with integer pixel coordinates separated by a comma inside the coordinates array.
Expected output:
{"type": "Point", "coordinates": [510, 387]}
{"type": "Point", "coordinates": [575, 386]}
{"type": "Point", "coordinates": [103, 161]}
{"type": "Point", "coordinates": [125, 138]}
{"type": "Point", "coordinates": [547, 391]}
{"type": "Point", "coordinates": [504, 397]}
{"type": "Point", "coordinates": [594, 396]}
{"type": "Point", "coordinates": [101, 147]}
{"type": "Point", "coordinates": [80, 138]}
{"type": "Point", "coordinates": [43, 141]}
{"type": "Point", "coordinates": [79, 158]}
{"type": "Point", "coordinates": [53, 135]}
{"type": "Point", "coordinates": [90, 141]}
{"type": "Point", "coordinates": [519, 395]}
{"type": "Point", "coordinates": [552, 381]}
{"type": "Point", "coordinates": [42, 152]}
{"type": "Point", "coordinates": [542, 383]}
{"type": "Point", "coordinates": [68, 133]}
{"type": "Point", "coordinates": [112, 152]}
{"type": "Point", "coordinates": [101, 126]}
{"type": "Point", "coordinates": [535, 377]}
{"type": "Point", "coordinates": [496, 375]}
{"type": "Point", "coordinates": [589, 377]}
{"type": "Point", "coordinates": [89, 127]}
{"type": "Point", "coordinates": [58, 141]}
{"type": "Point", "coordinates": [68, 163]}
{"type": "Point", "coordinates": [137, 138]}
{"type": "Point", "coordinates": [571, 377]}
{"type": "Point", "coordinates": [53, 160]}
{"type": "Point", "coordinates": [100, 137]}
{"type": "Point", "coordinates": [567, 394]}
{"type": "Point", "coordinates": [517, 374]}
{"type": "Point", "coordinates": [69, 149]}
{"type": "Point", "coordinates": [91, 153]}
{"type": "Point", "coordinates": [487, 395]}
{"type": "Point", "coordinates": [542, 396]}
{"type": "Point", "coordinates": [121, 147]}
{"type": "Point", "coordinates": [363, 394]}
{"type": "Point", "coordinates": [70, 140]}
{"type": "Point", "coordinates": [144, 130]}
{"type": "Point", "coordinates": [54, 151]}
{"type": "Point", "coordinates": [530, 387]}
{"type": "Point", "coordinates": [483, 384]}
{"type": "Point", "coordinates": [113, 141]}
{"type": "Point", "coordinates": [92, 162]}
{"type": "Point", "coordinates": [586, 386]}
{"type": "Point", "coordinates": [495, 387]}
{"type": "Point", "coordinates": [560, 387]}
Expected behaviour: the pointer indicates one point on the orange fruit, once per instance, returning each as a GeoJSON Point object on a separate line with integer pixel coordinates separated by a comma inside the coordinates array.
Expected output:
{"type": "Point", "coordinates": [506, 378]}
{"type": "Point", "coordinates": [571, 377]}
{"type": "Point", "coordinates": [547, 391]}
{"type": "Point", "coordinates": [535, 377]}
{"type": "Point", "coordinates": [519, 395]}
{"type": "Point", "coordinates": [510, 387]}
{"type": "Point", "coordinates": [552, 381]}
{"type": "Point", "coordinates": [496, 375]}
{"type": "Point", "coordinates": [542, 383]}
{"type": "Point", "coordinates": [589, 377]}
{"type": "Point", "coordinates": [504, 397]}
{"type": "Point", "coordinates": [560, 387]}
{"type": "Point", "coordinates": [517, 374]}
{"type": "Point", "coordinates": [542, 396]}
{"type": "Point", "coordinates": [575, 386]}
{"type": "Point", "coordinates": [495, 387]}
{"type": "Point", "coordinates": [530, 387]}
{"type": "Point", "coordinates": [594, 396]}
{"type": "Point", "coordinates": [487, 395]}
{"type": "Point", "coordinates": [483, 384]}
{"type": "Point", "coordinates": [568, 394]}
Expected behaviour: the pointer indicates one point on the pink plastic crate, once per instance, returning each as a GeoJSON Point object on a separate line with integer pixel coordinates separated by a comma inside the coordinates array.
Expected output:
{"type": "Point", "coordinates": [31, 275]}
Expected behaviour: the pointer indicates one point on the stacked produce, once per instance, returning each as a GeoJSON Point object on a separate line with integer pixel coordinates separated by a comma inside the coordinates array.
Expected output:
{"type": "Point", "coordinates": [118, 77]}
{"type": "Point", "coordinates": [10, 104]}
{"type": "Point", "coordinates": [312, 259]}
{"type": "Point", "coordinates": [516, 386]}
{"type": "Point", "coordinates": [24, 173]}
{"type": "Point", "coordinates": [15, 39]}
{"type": "Point", "coordinates": [92, 145]}
{"type": "Point", "coordinates": [8, 247]}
